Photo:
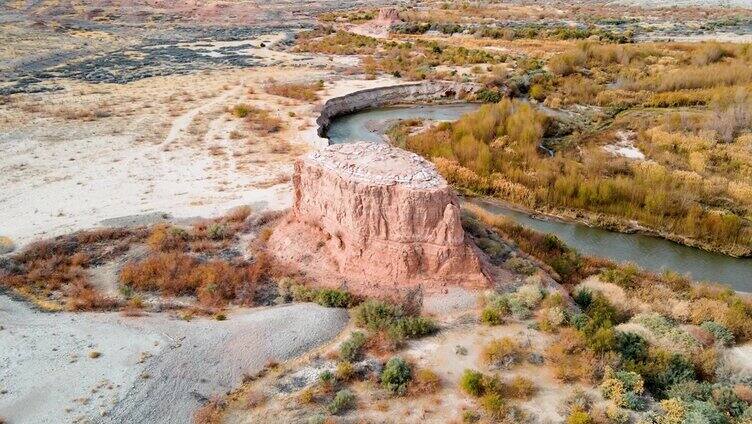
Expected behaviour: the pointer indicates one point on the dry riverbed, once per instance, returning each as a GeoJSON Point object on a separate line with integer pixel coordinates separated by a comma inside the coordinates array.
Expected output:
{"type": "Point", "coordinates": [106, 367]}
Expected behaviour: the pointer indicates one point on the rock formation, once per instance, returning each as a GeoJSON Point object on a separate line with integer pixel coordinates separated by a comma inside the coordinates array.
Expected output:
{"type": "Point", "coordinates": [376, 217]}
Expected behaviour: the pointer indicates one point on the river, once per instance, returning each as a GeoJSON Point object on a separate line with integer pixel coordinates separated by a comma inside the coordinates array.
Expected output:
{"type": "Point", "coordinates": [651, 253]}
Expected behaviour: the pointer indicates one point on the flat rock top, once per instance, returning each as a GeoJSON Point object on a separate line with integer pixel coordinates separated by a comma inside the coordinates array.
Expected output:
{"type": "Point", "coordinates": [377, 163]}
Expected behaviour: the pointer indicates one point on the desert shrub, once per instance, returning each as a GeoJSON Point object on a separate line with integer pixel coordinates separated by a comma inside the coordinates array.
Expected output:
{"type": "Point", "coordinates": [489, 95]}
{"type": "Point", "coordinates": [471, 382]}
{"type": "Point", "coordinates": [579, 417]}
{"type": "Point", "coordinates": [722, 335]}
{"type": "Point", "coordinates": [520, 266]}
{"type": "Point", "coordinates": [241, 110]}
{"type": "Point", "coordinates": [326, 377]}
{"type": "Point", "coordinates": [704, 412]}
{"type": "Point", "coordinates": [260, 121]}
{"type": "Point", "coordinates": [503, 352]}
{"type": "Point", "coordinates": [577, 400]}
{"type": "Point", "coordinates": [616, 415]}
{"type": "Point", "coordinates": [343, 401]}
{"type": "Point", "coordinates": [317, 418]}
{"type": "Point", "coordinates": [298, 91]}
{"type": "Point", "coordinates": [412, 328]}
{"type": "Point", "coordinates": [351, 349]}
{"type": "Point", "coordinates": [332, 298]}
{"type": "Point", "coordinates": [165, 238]}
{"type": "Point", "coordinates": [583, 297]}
{"type": "Point", "coordinates": [518, 308]}
{"type": "Point", "coordinates": [602, 340]}
{"type": "Point", "coordinates": [538, 92]}
{"type": "Point", "coordinates": [567, 63]}
{"type": "Point", "coordinates": [624, 388]}
{"type": "Point", "coordinates": [669, 334]}
{"type": "Point", "coordinates": [631, 346]}
{"type": "Point", "coordinates": [344, 371]}
{"type": "Point", "coordinates": [690, 390]}
{"type": "Point", "coordinates": [306, 396]}
{"type": "Point", "coordinates": [396, 375]}
{"type": "Point", "coordinates": [520, 388]}
{"type": "Point", "coordinates": [217, 231]}
{"type": "Point", "coordinates": [571, 359]}
{"type": "Point", "coordinates": [376, 315]}
{"type": "Point", "coordinates": [491, 316]}
{"type": "Point", "coordinates": [493, 405]}
{"type": "Point", "coordinates": [728, 402]}
{"type": "Point", "coordinates": [530, 295]}
{"type": "Point", "coordinates": [552, 318]}
{"type": "Point", "coordinates": [624, 276]}
{"type": "Point", "coordinates": [426, 381]}
{"type": "Point", "coordinates": [661, 370]}
{"type": "Point", "coordinates": [601, 314]}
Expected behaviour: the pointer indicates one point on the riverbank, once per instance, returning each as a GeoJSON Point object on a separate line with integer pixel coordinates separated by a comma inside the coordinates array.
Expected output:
{"type": "Point", "coordinates": [615, 224]}
{"type": "Point", "coordinates": [349, 106]}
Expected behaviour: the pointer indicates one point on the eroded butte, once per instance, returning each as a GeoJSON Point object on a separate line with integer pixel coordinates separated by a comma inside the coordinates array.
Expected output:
{"type": "Point", "coordinates": [375, 218]}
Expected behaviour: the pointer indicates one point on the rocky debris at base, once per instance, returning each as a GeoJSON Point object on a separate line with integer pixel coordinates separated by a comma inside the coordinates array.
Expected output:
{"type": "Point", "coordinates": [375, 218]}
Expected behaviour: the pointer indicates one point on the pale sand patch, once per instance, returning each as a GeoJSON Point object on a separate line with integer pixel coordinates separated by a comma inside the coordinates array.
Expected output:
{"type": "Point", "coordinates": [161, 144]}
{"type": "Point", "coordinates": [154, 368]}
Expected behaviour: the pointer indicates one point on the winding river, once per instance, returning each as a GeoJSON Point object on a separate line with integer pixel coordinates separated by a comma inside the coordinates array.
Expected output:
{"type": "Point", "coordinates": [648, 252]}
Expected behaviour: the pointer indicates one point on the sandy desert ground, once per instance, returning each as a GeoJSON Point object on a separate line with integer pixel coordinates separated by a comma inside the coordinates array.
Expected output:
{"type": "Point", "coordinates": [153, 368]}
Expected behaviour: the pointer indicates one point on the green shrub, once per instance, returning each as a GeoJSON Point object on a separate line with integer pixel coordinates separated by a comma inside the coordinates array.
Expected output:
{"type": "Point", "coordinates": [603, 340]}
{"type": "Point", "coordinates": [494, 406]}
{"type": "Point", "coordinates": [326, 377]}
{"type": "Point", "coordinates": [376, 315]}
{"type": "Point", "coordinates": [491, 316]}
{"type": "Point", "coordinates": [705, 413]}
{"type": "Point", "coordinates": [624, 277]}
{"type": "Point", "coordinates": [411, 328]}
{"type": "Point", "coordinates": [583, 297]}
{"type": "Point", "coordinates": [396, 375]}
{"type": "Point", "coordinates": [487, 95]}
{"type": "Point", "coordinates": [471, 382]}
{"type": "Point", "coordinates": [343, 401]}
{"type": "Point", "coordinates": [728, 402]}
{"type": "Point", "coordinates": [690, 390]}
{"type": "Point", "coordinates": [217, 231]}
{"type": "Point", "coordinates": [722, 335]}
{"type": "Point", "coordinates": [631, 346]}
{"type": "Point", "coordinates": [332, 298]}
{"type": "Point", "coordinates": [351, 349]}
{"type": "Point", "coordinates": [518, 308]}
{"type": "Point", "coordinates": [661, 370]}
{"type": "Point", "coordinates": [521, 266]}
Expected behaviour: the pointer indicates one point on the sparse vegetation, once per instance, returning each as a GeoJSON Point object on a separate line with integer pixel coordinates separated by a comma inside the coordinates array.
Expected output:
{"type": "Point", "coordinates": [343, 401]}
{"type": "Point", "coordinates": [298, 91]}
{"type": "Point", "coordinates": [396, 375]}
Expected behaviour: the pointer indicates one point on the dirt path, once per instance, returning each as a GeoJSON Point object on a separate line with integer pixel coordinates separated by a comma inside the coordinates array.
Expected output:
{"type": "Point", "coordinates": [151, 369]}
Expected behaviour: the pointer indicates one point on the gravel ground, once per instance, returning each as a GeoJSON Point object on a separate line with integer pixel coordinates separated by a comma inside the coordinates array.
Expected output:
{"type": "Point", "coordinates": [150, 369]}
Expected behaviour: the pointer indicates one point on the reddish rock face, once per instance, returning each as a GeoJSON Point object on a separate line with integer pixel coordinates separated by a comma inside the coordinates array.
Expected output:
{"type": "Point", "coordinates": [376, 217]}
